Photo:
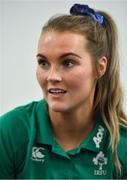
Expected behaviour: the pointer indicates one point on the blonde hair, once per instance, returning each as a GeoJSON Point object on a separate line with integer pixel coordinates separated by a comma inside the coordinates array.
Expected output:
{"type": "Point", "coordinates": [102, 41]}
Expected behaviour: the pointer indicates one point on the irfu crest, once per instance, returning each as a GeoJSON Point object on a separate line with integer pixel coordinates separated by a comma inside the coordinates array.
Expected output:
{"type": "Point", "coordinates": [100, 160]}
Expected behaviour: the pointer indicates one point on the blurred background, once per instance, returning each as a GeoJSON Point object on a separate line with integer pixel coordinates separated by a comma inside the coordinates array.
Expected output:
{"type": "Point", "coordinates": [20, 26]}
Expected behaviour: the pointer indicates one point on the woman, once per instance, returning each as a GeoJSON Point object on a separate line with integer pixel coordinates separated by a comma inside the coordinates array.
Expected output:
{"type": "Point", "coordinates": [79, 130]}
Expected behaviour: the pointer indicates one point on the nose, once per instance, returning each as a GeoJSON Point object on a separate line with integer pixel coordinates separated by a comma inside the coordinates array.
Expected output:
{"type": "Point", "coordinates": [54, 75]}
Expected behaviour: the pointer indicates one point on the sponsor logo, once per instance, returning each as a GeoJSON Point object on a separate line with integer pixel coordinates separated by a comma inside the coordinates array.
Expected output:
{"type": "Point", "coordinates": [100, 160]}
{"type": "Point", "coordinates": [98, 138]}
{"type": "Point", "coordinates": [37, 154]}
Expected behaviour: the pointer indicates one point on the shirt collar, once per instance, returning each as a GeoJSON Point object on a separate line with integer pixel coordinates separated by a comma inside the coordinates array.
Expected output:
{"type": "Point", "coordinates": [96, 141]}
{"type": "Point", "coordinates": [92, 143]}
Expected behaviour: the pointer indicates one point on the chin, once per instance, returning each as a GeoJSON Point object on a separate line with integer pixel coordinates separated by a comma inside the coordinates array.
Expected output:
{"type": "Point", "coordinates": [56, 108]}
{"type": "Point", "coordinates": [60, 110]}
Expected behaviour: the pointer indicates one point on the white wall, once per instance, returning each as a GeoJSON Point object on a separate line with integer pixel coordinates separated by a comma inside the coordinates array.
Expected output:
{"type": "Point", "coordinates": [20, 26]}
{"type": "Point", "coordinates": [0, 58]}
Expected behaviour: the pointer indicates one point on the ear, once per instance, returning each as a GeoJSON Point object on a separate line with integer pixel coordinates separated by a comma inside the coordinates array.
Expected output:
{"type": "Point", "coordinates": [102, 65]}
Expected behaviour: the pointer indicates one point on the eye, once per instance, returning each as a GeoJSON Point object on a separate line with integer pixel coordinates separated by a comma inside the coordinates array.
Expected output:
{"type": "Point", "coordinates": [43, 63]}
{"type": "Point", "coordinates": [68, 63]}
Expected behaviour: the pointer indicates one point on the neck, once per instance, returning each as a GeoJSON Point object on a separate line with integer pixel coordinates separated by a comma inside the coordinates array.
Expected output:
{"type": "Point", "coordinates": [71, 128]}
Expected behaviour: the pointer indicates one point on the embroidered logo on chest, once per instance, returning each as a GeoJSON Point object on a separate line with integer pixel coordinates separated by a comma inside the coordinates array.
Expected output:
{"type": "Point", "coordinates": [98, 138]}
{"type": "Point", "coordinates": [100, 160]}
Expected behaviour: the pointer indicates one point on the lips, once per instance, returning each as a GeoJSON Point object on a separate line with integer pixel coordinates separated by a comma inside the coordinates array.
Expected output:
{"type": "Point", "coordinates": [56, 91]}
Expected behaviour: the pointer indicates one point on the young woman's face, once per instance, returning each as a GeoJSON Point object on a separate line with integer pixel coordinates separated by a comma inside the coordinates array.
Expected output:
{"type": "Point", "coordinates": [65, 71]}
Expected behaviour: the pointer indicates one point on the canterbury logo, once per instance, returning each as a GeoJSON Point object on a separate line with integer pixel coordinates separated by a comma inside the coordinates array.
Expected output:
{"type": "Point", "coordinates": [37, 154]}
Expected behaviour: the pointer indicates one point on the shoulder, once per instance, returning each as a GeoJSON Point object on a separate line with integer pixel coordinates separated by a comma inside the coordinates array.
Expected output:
{"type": "Point", "coordinates": [17, 122]}
{"type": "Point", "coordinates": [16, 131]}
{"type": "Point", "coordinates": [20, 113]}
{"type": "Point", "coordinates": [122, 145]}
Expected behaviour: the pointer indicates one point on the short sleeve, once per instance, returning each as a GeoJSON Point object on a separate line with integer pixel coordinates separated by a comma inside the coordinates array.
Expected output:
{"type": "Point", "coordinates": [13, 140]}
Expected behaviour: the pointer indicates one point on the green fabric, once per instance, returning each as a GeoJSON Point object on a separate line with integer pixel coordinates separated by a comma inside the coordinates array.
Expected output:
{"type": "Point", "coordinates": [28, 149]}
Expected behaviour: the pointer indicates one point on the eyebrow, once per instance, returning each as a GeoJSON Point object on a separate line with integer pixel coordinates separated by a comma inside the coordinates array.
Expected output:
{"type": "Point", "coordinates": [62, 56]}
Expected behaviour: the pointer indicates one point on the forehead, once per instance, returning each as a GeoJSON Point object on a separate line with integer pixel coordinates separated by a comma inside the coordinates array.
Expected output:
{"type": "Point", "coordinates": [61, 40]}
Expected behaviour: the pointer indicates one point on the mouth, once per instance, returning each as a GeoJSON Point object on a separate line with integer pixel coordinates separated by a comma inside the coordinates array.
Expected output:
{"type": "Point", "coordinates": [56, 91]}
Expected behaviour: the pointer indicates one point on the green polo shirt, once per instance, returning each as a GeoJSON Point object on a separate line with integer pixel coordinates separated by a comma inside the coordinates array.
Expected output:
{"type": "Point", "coordinates": [28, 149]}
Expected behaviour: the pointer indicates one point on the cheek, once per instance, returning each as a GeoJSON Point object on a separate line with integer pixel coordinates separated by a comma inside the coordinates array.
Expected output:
{"type": "Point", "coordinates": [80, 79]}
{"type": "Point", "coordinates": [73, 81]}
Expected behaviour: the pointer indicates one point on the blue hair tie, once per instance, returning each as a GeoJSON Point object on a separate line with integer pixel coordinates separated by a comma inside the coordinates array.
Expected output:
{"type": "Point", "coordinates": [79, 9]}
